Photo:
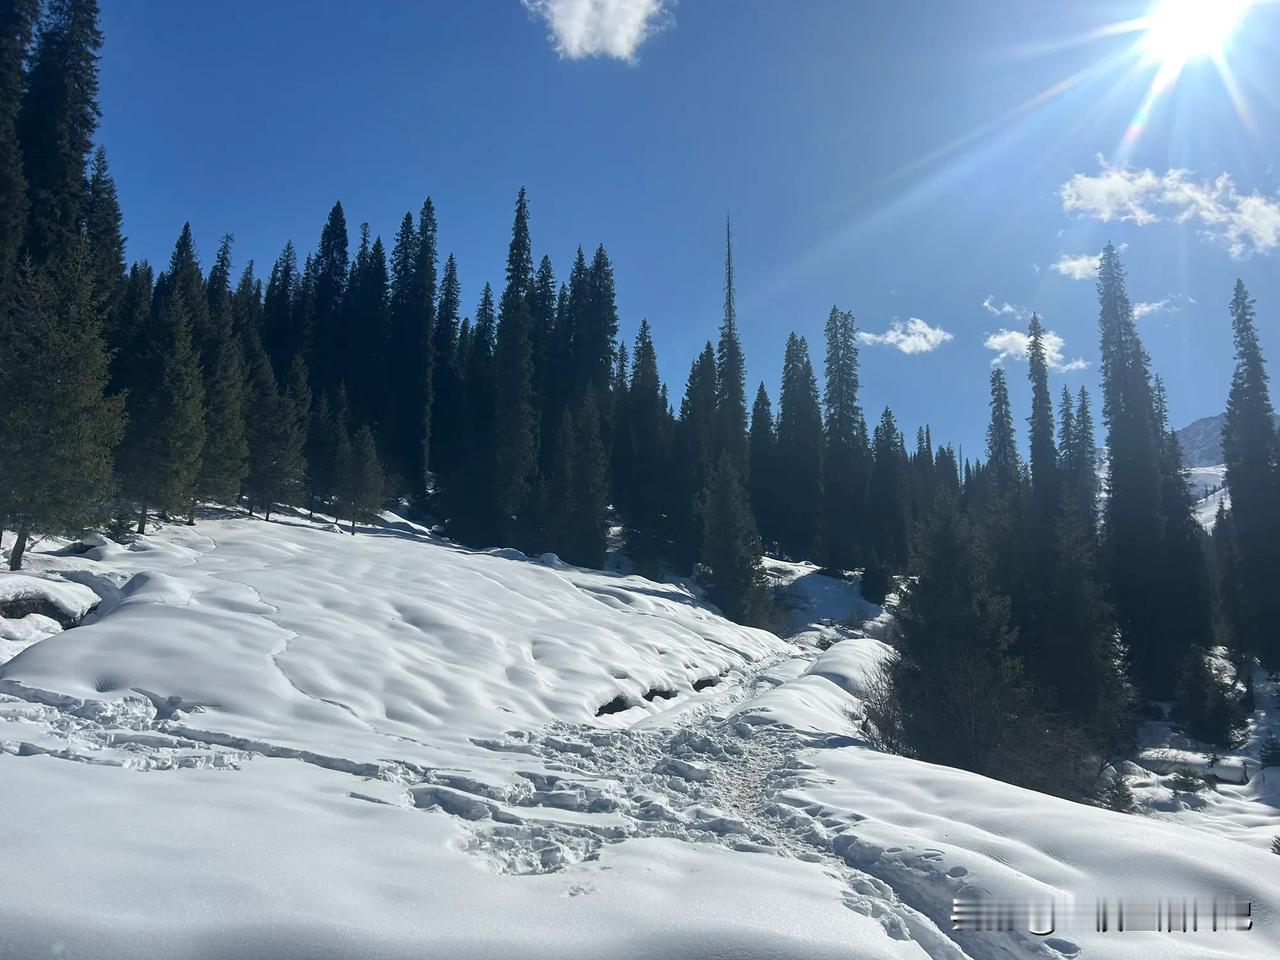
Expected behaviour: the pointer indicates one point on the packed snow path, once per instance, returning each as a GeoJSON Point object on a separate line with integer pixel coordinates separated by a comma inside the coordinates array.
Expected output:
{"type": "Point", "coordinates": [262, 708]}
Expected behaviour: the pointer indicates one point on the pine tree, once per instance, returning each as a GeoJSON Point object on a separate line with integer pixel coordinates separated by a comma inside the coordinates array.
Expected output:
{"type": "Point", "coordinates": [590, 487]}
{"type": "Point", "coordinates": [955, 681]}
{"type": "Point", "coordinates": [557, 529]}
{"type": "Point", "coordinates": [888, 495]}
{"type": "Point", "coordinates": [731, 397]}
{"type": "Point", "coordinates": [276, 461]}
{"type": "Point", "coordinates": [163, 469]}
{"type": "Point", "coordinates": [56, 125]}
{"type": "Point", "coordinates": [547, 364]}
{"type": "Point", "coordinates": [692, 458]}
{"type": "Point", "coordinates": [647, 411]}
{"type": "Point", "coordinates": [1252, 451]}
{"type": "Point", "coordinates": [446, 381]}
{"type": "Point", "coordinates": [328, 288]}
{"type": "Point", "coordinates": [473, 497]}
{"type": "Point", "coordinates": [417, 405]}
{"type": "Point", "coordinates": [1044, 454]}
{"type": "Point", "coordinates": [280, 333]}
{"type": "Point", "coordinates": [59, 428]}
{"type": "Point", "coordinates": [516, 415]}
{"type": "Point", "coordinates": [595, 324]}
{"type": "Point", "coordinates": [763, 458]}
{"type": "Point", "coordinates": [224, 460]}
{"type": "Point", "coordinates": [1003, 463]}
{"type": "Point", "coordinates": [1117, 795]}
{"type": "Point", "coordinates": [17, 22]}
{"type": "Point", "coordinates": [360, 479]}
{"type": "Point", "coordinates": [730, 556]}
{"type": "Point", "coordinates": [799, 453]}
{"type": "Point", "coordinates": [846, 457]}
{"type": "Point", "coordinates": [182, 288]}
{"type": "Point", "coordinates": [1134, 525]}
{"type": "Point", "coordinates": [102, 226]}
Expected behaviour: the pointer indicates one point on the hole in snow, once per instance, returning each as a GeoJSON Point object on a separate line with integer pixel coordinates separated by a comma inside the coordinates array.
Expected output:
{"type": "Point", "coordinates": [616, 705]}
{"type": "Point", "coordinates": [655, 693]}
{"type": "Point", "coordinates": [705, 682]}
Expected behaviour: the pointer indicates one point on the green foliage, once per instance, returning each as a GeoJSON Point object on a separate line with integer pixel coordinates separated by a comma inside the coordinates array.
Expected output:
{"type": "Point", "coordinates": [762, 480]}
{"type": "Point", "coordinates": [876, 580]}
{"type": "Point", "coordinates": [846, 455]}
{"type": "Point", "coordinates": [731, 397]}
{"type": "Point", "coordinates": [888, 495]}
{"type": "Point", "coordinates": [17, 21]}
{"type": "Point", "coordinates": [1207, 705]}
{"type": "Point", "coordinates": [361, 485]}
{"type": "Point", "coordinates": [585, 545]}
{"type": "Point", "coordinates": [276, 464]}
{"type": "Point", "coordinates": [1185, 781]}
{"type": "Point", "coordinates": [731, 571]}
{"type": "Point", "coordinates": [1115, 794]}
{"type": "Point", "coordinates": [800, 441]}
{"type": "Point", "coordinates": [59, 429]}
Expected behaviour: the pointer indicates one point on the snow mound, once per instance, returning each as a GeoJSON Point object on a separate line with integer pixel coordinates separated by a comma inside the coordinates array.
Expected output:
{"type": "Point", "coordinates": [273, 741]}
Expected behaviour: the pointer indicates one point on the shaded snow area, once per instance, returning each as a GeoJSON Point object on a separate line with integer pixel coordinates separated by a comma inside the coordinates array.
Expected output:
{"type": "Point", "coordinates": [1205, 479]}
{"type": "Point", "coordinates": [276, 741]}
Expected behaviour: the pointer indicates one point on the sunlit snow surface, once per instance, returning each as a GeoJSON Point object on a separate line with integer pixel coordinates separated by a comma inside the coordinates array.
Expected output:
{"type": "Point", "coordinates": [279, 741]}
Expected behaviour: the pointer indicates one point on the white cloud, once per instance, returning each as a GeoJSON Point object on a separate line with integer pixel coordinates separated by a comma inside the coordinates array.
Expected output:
{"type": "Point", "coordinates": [1013, 345]}
{"type": "Point", "coordinates": [914, 336]}
{"type": "Point", "coordinates": [1246, 223]}
{"type": "Point", "coordinates": [600, 28]}
{"type": "Point", "coordinates": [1004, 308]}
{"type": "Point", "coordinates": [1080, 267]}
{"type": "Point", "coordinates": [1169, 304]}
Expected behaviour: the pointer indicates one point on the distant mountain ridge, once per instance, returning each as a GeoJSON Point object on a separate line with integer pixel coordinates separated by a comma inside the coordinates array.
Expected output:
{"type": "Point", "coordinates": [1202, 441]}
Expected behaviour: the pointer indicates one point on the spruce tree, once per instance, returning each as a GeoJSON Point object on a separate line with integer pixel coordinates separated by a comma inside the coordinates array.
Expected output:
{"type": "Point", "coordinates": [692, 458]}
{"type": "Point", "coordinates": [328, 285]}
{"type": "Point", "coordinates": [732, 574]}
{"type": "Point", "coordinates": [473, 495]}
{"type": "Point", "coordinates": [105, 242]}
{"type": "Point", "coordinates": [557, 529]}
{"type": "Point", "coordinates": [1003, 463]}
{"type": "Point", "coordinates": [1080, 472]}
{"type": "Point", "coordinates": [360, 478]}
{"type": "Point", "coordinates": [888, 495]}
{"type": "Point", "coordinates": [417, 403]}
{"type": "Point", "coordinates": [446, 380]}
{"type": "Point", "coordinates": [1252, 452]}
{"type": "Point", "coordinates": [595, 325]}
{"type": "Point", "coordinates": [163, 468]}
{"type": "Point", "coordinates": [799, 453]}
{"type": "Point", "coordinates": [276, 460]}
{"type": "Point", "coordinates": [56, 125]}
{"type": "Point", "coordinates": [516, 415]}
{"type": "Point", "coordinates": [224, 460]}
{"type": "Point", "coordinates": [731, 397]}
{"type": "Point", "coordinates": [280, 335]}
{"type": "Point", "coordinates": [17, 21]}
{"type": "Point", "coordinates": [1044, 453]}
{"type": "Point", "coordinates": [1134, 524]}
{"type": "Point", "coordinates": [59, 428]}
{"type": "Point", "coordinates": [547, 365]}
{"type": "Point", "coordinates": [763, 458]}
{"type": "Point", "coordinates": [649, 472]}
{"type": "Point", "coordinates": [587, 520]}
{"type": "Point", "coordinates": [846, 457]}
{"type": "Point", "coordinates": [182, 287]}
{"type": "Point", "coordinates": [958, 686]}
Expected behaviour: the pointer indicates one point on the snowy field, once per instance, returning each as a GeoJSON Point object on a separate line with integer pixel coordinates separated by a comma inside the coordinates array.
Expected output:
{"type": "Point", "coordinates": [278, 741]}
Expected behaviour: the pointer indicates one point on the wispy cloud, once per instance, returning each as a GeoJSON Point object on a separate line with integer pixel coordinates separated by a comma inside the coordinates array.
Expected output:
{"type": "Point", "coordinates": [1004, 308]}
{"type": "Point", "coordinates": [914, 336]}
{"type": "Point", "coordinates": [1013, 345]}
{"type": "Point", "coordinates": [1082, 266]}
{"type": "Point", "coordinates": [600, 28]}
{"type": "Point", "coordinates": [1170, 304]}
{"type": "Point", "coordinates": [1245, 223]}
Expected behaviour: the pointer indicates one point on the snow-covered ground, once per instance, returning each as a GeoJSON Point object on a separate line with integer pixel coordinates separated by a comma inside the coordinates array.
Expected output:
{"type": "Point", "coordinates": [279, 741]}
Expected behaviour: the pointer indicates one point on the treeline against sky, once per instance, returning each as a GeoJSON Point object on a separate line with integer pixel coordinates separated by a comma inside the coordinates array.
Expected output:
{"type": "Point", "coordinates": [1040, 608]}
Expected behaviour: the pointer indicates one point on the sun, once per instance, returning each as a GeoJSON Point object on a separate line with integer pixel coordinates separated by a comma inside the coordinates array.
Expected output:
{"type": "Point", "coordinates": [1180, 31]}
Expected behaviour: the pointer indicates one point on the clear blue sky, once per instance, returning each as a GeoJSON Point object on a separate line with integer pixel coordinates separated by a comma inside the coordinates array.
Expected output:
{"type": "Point", "coordinates": [897, 164]}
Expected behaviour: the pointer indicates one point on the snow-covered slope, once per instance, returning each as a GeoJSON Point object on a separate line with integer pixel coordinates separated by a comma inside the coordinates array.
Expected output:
{"type": "Point", "coordinates": [278, 741]}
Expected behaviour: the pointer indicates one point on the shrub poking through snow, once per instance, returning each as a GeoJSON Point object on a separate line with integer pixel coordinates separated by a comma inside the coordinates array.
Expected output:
{"type": "Point", "coordinates": [1184, 781]}
{"type": "Point", "coordinates": [1271, 751]}
{"type": "Point", "coordinates": [1275, 845]}
{"type": "Point", "coordinates": [1115, 794]}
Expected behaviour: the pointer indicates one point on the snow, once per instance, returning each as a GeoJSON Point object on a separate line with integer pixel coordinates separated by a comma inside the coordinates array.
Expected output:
{"type": "Point", "coordinates": [278, 741]}
{"type": "Point", "coordinates": [1206, 506]}
{"type": "Point", "coordinates": [73, 600]}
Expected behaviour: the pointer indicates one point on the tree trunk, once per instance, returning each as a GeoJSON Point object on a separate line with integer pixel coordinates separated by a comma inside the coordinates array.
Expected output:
{"type": "Point", "coordinates": [353, 526]}
{"type": "Point", "coordinates": [250, 502]}
{"type": "Point", "coordinates": [191, 518]}
{"type": "Point", "coordinates": [267, 513]}
{"type": "Point", "coordinates": [142, 520]}
{"type": "Point", "coordinates": [311, 507]}
{"type": "Point", "coordinates": [19, 548]}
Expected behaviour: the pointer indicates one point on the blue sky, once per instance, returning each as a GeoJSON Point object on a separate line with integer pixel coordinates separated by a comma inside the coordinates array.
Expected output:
{"type": "Point", "coordinates": [911, 167]}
